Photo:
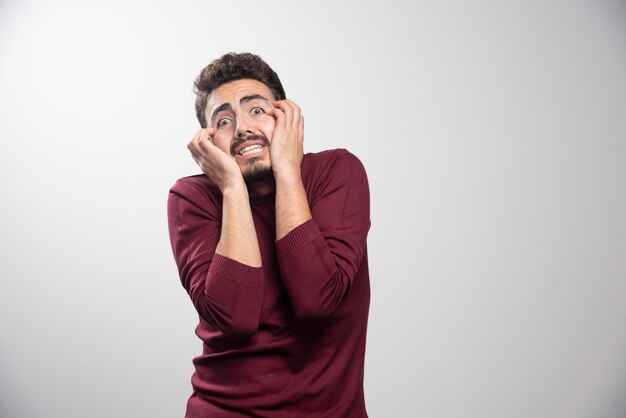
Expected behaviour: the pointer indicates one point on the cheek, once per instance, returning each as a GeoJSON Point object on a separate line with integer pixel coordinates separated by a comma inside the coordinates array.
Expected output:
{"type": "Point", "coordinates": [267, 128]}
{"type": "Point", "coordinates": [222, 141]}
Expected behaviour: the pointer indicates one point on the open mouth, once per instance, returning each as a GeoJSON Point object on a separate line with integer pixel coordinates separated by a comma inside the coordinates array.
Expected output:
{"type": "Point", "coordinates": [250, 146]}
{"type": "Point", "coordinates": [256, 148]}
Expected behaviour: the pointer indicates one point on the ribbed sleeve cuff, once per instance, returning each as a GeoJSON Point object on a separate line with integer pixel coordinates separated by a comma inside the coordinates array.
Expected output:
{"type": "Point", "coordinates": [233, 270]}
{"type": "Point", "coordinates": [297, 238]}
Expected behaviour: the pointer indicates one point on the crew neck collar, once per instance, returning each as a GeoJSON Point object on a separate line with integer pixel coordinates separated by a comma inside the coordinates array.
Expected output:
{"type": "Point", "coordinates": [263, 199]}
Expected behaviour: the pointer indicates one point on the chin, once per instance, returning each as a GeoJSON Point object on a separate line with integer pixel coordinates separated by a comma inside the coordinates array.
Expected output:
{"type": "Point", "coordinates": [258, 173]}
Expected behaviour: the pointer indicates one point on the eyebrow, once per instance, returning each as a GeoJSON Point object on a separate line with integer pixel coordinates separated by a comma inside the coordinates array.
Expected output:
{"type": "Point", "coordinates": [244, 99]}
{"type": "Point", "coordinates": [220, 108]}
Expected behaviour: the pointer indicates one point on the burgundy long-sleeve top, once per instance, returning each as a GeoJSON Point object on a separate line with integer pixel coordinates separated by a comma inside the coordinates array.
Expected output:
{"type": "Point", "coordinates": [286, 339]}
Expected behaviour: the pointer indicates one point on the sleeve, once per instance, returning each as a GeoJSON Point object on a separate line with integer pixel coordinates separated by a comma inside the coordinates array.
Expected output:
{"type": "Point", "coordinates": [320, 258]}
{"type": "Point", "coordinates": [227, 294]}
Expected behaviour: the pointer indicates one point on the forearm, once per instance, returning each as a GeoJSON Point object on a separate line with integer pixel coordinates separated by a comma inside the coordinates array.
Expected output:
{"type": "Point", "coordinates": [227, 293]}
{"type": "Point", "coordinates": [292, 206]}
{"type": "Point", "coordinates": [315, 282]}
{"type": "Point", "coordinates": [320, 257]}
{"type": "Point", "coordinates": [238, 240]}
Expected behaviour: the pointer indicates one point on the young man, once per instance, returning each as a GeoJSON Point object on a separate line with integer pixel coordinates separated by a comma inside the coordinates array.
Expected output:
{"type": "Point", "coordinates": [270, 244]}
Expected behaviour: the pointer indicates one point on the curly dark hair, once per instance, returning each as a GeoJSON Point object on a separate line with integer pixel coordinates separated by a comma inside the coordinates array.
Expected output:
{"type": "Point", "coordinates": [230, 67]}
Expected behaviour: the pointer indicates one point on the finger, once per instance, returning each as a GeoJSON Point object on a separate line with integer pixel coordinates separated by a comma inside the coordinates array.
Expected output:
{"type": "Point", "coordinates": [297, 116]}
{"type": "Point", "coordinates": [196, 159]}
{"type": "Point", "coordinates": [203, 136]}
{"type": "Point", "coordinates": [301, 127]}
{"type": "Point", "coordinates": [195, 153]}
{"type": "Point", "coordinates": [287, 109]}
{"type": "Point", "coordinates": [209, 133]}
{"type": "Point", "coordinates": [294, 106]}
{"type": "Point", "coordinates": [206, 134]}
{"type": "Point", "coordinates": [292, 111]}
{"type": "Point", "coordinates": [193, 145]}
{"type": "Point", "coordinates": [280, 117]}
{"type": "Point", "coordinates": [286, 103]}
{"type": "Point", "coordinates": [206, 145]}
{"type": "Point", "coordinates": [197, 135]}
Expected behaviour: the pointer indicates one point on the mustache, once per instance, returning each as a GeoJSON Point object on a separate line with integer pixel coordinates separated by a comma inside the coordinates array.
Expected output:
{"type": "Point", "coordinates": [240, 140]}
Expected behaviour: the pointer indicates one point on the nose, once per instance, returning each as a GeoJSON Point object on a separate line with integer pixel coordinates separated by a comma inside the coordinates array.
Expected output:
{"type": "Point", "coordinates": [243, 127]}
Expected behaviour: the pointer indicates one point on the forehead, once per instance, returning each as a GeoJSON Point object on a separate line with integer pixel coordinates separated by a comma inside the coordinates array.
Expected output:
{"type": "Point", "coordinates": [233, 91]}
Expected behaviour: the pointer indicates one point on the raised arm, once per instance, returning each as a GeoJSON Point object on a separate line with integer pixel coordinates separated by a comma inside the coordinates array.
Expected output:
{"type": "Point", "coordinates": [321, 237]}
{"type": "Point", "coordinates": [292, 208]}
{"type": "Point", "coordinates": [215, 243]}
{"type": "Point", "coordinates": [238, 239]}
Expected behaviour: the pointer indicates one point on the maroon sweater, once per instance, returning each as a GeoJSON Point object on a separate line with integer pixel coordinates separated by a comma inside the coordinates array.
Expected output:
{"type": "Point", "coordinates": [286, 339]}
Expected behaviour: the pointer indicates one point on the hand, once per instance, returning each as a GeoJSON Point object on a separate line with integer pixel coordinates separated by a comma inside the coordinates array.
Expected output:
{"type": "Point", "coordinates": [221, 168]}
{"type": "Point", "coordinates": [286, 150]}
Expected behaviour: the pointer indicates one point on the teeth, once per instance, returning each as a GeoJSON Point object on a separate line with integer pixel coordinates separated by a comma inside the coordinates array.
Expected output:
{"type": "Point", "coordinates": [250, 149]}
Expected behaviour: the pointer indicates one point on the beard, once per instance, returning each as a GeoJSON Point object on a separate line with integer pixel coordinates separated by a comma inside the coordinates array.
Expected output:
{"type": "Point", "coordinates": [257, 173]}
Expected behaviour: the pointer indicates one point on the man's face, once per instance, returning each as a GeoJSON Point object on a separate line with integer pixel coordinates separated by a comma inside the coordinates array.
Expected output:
{"type": "Point", "coordinates": [243, 129]}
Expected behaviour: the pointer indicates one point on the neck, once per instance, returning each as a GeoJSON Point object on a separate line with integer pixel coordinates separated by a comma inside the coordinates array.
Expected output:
{"type": "Point", "coordinates": [262, 188]}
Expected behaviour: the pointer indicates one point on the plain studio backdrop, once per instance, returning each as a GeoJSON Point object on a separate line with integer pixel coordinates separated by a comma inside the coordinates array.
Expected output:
{"type": "Point", "coordinates": [494, 136]}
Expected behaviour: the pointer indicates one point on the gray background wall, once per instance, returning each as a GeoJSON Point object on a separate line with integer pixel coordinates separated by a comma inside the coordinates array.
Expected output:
{"type": "Point", "coordinates": [494, 135]}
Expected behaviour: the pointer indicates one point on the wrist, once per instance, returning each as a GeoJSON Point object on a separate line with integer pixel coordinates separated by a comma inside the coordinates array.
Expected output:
{"type": "Point", "coordinates": [234, 187]}
{"type": "Point", "coordinates": [287, 171]}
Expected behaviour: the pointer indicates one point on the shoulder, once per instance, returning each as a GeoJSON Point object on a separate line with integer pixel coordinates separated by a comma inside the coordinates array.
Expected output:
{"type": "Point", "coordinates": [326, 172]}
{"type": "Point", "coordinates": [336, 160]}
{"type": "Point", "coordinates": [197, 189]}
{"type": "Point", "coordinates": [192, 184]}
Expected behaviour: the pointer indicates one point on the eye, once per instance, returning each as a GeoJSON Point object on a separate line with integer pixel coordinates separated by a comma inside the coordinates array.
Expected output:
{"type": "Point", "coordinates": [223, 122]}
{"type": "Point", "coordinates": [257, 111]}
